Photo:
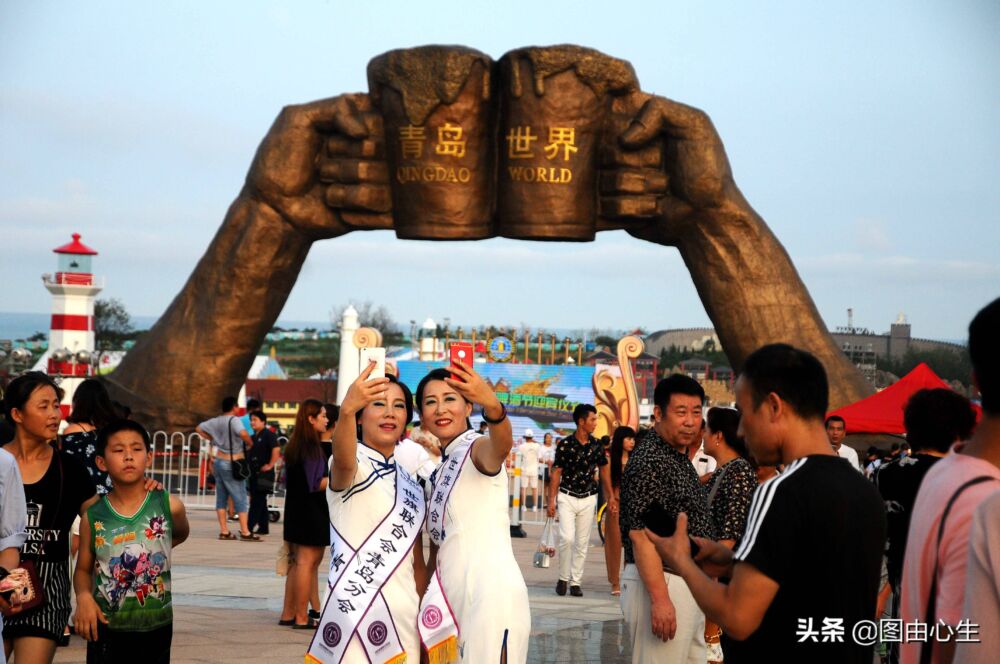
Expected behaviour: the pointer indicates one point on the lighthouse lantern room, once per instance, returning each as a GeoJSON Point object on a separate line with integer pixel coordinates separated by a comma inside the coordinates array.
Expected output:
{"type": "Point", "coordinates": [71, 338]}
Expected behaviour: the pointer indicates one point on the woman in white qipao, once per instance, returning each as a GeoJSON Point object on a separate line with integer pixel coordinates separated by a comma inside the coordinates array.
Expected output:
{"type": "Point", "coordinates": [476, 606]}
{"type": "Point", "coordinates": [376, 513]}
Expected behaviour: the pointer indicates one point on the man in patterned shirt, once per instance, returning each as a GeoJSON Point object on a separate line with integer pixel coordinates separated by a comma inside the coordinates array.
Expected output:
{"type": "Point", "coordinates": [573, 490]}
{"type": "Point", "coordinates": [665, 622]}
{"type": "Point", "coordinates": [806, 571]}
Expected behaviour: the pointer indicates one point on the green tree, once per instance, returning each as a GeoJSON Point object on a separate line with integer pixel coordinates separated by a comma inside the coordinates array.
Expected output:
{"type": "Point", "coordinates": [949, 364]}
{"type": "Point", "coordinates": [112, 324]}
{"type": "Point", "coordinates": [605, 340]}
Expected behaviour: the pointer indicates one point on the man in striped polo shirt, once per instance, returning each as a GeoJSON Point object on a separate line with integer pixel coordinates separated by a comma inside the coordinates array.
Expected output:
{"type": "Point", "coordinates": [806, 572]}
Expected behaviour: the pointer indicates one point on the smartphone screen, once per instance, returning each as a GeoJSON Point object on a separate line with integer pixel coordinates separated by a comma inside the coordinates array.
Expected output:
{"type": "Point", "coordinates": [461, 352]}
{"type": "Point", "coordinates": [377, 354]}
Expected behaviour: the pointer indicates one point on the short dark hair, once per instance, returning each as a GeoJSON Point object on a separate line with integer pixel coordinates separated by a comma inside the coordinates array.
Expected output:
{"type": "Point", "coordinates": [934, 419]}
{"type": "Point", "coordinates": [253, 404]}
{"type": "Point", "coordinates": [104, 435]}
{"type": "Point", "coordinates": [332, 412]}
{"type": "Point", "coordinates": [228, 404]}
{"type": "Point", "coordinates": [835, 418]}
{"type": "Point", "coordinates": [582, 412]}
{"type": "Point", "coordinates": [676, 384]}
{"type": "Point", "coordinates": [984, 351]}
{"type": "Point", "coordinates": [727, 422]}
{"type": "Point", "coordinates": [21, 388]}
{"type": "Point", "coordinates": [259, 414]}
{"type": "Point", "coordinates": [795, 375]}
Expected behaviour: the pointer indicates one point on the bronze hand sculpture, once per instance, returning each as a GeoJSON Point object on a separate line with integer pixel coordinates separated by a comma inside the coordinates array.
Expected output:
{"type": "Point", "coordinates": [319, 173]}
{"type": "Point", "coordinates": [651, 166]}
{"type": "Point", "coordinates": [746, 280]}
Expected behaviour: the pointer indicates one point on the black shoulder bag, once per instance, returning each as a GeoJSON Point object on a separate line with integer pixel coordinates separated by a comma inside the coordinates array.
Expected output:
{"type": "Point", "coordinates": [931, 613]}
{"type": "Point", "coordinates": [241, 467]}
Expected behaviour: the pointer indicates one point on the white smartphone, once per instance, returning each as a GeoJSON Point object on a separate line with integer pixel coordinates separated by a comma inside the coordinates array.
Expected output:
{"type": "Point", "coordinates": [377, 354]}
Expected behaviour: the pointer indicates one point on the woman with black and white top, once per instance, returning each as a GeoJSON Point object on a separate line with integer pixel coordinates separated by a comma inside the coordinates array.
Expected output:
{"type": "Point", "coordinates": [730, 492]}
{"type": "Point", "coordinates": [731, 487]}
{"type": "Point", "coordinates": [57, 489]}
{"type": "Point", "coordinates": [92, 410]}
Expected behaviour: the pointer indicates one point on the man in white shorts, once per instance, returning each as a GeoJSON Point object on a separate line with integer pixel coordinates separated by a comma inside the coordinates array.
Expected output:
{"type": "Point", "coordinates": [529, 450]}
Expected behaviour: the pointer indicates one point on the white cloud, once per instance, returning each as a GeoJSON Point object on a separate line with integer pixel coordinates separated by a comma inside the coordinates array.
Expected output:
{"type": "Point", "coordinates": [896, 268]}
{"type": "Point", "coordinates": [871, 235]}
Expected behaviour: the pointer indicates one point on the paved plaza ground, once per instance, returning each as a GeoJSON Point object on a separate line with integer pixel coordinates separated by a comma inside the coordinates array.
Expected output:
{"type": "Point", "coordinates": [227, 598]}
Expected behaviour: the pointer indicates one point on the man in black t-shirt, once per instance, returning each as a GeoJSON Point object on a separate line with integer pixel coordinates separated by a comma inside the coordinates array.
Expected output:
{"type": "Point", "coordinates": [935, 420]}
{"type": "Point", "coordinates": [262, 456]}
{"type": "Point", "coordinates": [806, 572]}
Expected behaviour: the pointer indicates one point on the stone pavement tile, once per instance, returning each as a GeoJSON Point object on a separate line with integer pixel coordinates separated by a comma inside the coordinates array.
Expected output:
{"type": "Point", "coordinates": [228, 598]}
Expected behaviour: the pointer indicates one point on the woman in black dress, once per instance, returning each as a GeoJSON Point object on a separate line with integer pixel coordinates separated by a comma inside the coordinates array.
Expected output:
{"type": "Point", "coordinates": [731, 487]}
{"type": "Point", "coordinates": [92, 410]}
{"type": "Point", "coordinates": [307, 518]}
{"type": "Point", "coordinates": [57, 489]}
{"type": "Point", "coordinates": [730, 491]}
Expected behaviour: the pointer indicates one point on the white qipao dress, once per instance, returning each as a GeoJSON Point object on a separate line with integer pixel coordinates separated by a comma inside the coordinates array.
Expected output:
{"type": "Point", "coordinates": [479, 575]}
{"type": "Point", "coordinates": [355, 514]}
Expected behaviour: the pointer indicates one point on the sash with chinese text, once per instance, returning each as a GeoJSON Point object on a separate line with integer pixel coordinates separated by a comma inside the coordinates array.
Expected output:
{"type": "Point", "coordinates": [438, 628]}
{"type": "Point", "coordinates": [356, 604]}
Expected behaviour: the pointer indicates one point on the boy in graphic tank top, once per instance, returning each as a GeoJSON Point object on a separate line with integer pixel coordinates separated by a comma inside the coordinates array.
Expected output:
{"type": "Point", "coordinates": [122, 577]}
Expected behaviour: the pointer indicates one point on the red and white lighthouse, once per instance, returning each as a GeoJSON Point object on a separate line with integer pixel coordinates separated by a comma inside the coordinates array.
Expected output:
{"type": "Point", "coordinates": [71, 338]}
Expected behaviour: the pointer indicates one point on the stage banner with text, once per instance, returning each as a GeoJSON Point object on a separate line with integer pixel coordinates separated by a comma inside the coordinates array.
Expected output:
{"type": "Point", "coordinates": [537, 396]}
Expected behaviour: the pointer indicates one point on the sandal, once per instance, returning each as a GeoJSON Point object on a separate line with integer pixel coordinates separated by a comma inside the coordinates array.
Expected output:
{"type": "Point", "coordinates": [249, 537]}
{"type": "Point", "coordinates": [227, 536]}
{"type": "Point", "coordinates": [310, 624]}
{"type": "Point", "coordinates": [287, 623]}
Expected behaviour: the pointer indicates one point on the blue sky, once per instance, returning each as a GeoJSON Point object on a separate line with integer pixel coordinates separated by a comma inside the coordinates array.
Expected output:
{"type": "Point", "coordinates": [866, 134]}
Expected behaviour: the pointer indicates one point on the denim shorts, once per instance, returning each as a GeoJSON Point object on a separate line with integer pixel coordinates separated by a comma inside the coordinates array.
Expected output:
{"type": "Point", "coordinates": [227, 486]}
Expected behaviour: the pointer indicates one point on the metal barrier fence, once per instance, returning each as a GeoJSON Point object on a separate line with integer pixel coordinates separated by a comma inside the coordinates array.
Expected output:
{"type": "Point", "coordinates": [181, 462]}
{"type": "Point", "coordinates": [518, 484]}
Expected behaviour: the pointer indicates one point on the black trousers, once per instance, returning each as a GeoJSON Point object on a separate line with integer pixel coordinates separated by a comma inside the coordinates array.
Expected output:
{"type": "Point", "coordinates": [257, 517]}
{"type": "Point", "coordinates": [113, 647]}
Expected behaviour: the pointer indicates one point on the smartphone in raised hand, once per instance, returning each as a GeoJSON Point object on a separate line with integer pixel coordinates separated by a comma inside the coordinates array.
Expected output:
{"type": "Point", "coordinates": [376, 354]}
{"type": "Point", "coordinates": [460, 352]}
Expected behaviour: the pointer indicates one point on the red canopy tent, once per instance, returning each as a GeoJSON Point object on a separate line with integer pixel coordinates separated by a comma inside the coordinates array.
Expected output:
{"type": "Point", "coordinates": [882, 412]}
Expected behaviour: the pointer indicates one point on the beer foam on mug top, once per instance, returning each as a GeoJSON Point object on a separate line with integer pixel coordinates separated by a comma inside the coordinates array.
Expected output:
{"type": "Point", "coordinates": [426, 76]}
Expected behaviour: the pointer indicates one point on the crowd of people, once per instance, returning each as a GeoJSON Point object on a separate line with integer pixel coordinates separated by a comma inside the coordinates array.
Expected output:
{"type": "Point", "coordinates": [744, 534]}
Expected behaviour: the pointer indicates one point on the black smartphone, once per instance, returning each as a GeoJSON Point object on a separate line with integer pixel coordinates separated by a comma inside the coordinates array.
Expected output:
{"type": "Point", "coordinates": [664, 524]}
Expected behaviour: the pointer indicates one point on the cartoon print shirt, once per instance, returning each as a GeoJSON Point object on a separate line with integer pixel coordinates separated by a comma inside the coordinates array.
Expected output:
{"type": "Point", "coordinates": [132, 580]}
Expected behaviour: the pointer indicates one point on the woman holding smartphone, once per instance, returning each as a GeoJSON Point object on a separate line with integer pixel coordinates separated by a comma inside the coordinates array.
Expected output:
{"type": "Point", "coordinates": [477, 602]}
{"type": "Point", "coordinates": [372, 502]}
